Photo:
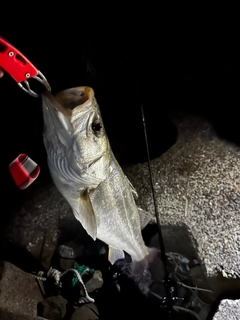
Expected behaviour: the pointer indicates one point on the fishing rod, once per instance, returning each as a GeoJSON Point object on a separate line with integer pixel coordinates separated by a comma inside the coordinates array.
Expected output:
{"type": "Point", "coordinates": [160, 236]}
{"type": "Point", "coordinates": [169, 285]}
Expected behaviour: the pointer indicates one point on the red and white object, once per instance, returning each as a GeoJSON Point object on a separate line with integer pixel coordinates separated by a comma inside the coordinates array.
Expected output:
{"type": "Point", "coordinates": [24, 171]}
{"type": "Point", "coordinates": [19, 67]}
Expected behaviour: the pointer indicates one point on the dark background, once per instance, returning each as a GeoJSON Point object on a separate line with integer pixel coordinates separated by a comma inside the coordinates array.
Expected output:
{"type": "Point", "coordinates": [173, 60]}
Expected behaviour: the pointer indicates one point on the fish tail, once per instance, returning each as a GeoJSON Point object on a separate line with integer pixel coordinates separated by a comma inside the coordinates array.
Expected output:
{"type": "Point", "coordinates": [148, 271]}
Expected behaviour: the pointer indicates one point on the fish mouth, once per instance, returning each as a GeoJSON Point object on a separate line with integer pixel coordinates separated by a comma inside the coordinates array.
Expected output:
{"type": "Point", "coordinates": [67, 100]}
{"type": "Point", "coordinates": [74, 97]}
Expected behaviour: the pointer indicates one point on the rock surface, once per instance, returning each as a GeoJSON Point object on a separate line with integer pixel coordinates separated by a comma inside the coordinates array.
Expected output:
{"type": "Point", "coordinates": [228, 310]}
{"type": "Point", "coordinates": [53, 307]}
{"type": "Point", "coordinates": [86, 312]}
{"type": "Point", "coordinates": [197, 184]}
{"type": "Point", "coordinates": [19, 293]}
{"type": "Point", "coordinates": [43, 219]}
{"type": "Point", "coordinates": [95, 282]}
{"type": "Point", "coordinates": [70, 250]}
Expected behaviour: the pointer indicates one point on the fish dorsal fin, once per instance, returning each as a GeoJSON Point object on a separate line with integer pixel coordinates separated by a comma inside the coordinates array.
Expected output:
{"type": "Point", "coordinates": [83, 211]}
{"type": "Point", "coordinates": [115, 254]}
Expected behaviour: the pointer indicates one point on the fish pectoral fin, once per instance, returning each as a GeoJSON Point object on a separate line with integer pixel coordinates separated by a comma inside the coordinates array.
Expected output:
{"type": "Point", "coordinates": [115, 254]}
{"type": "Point", "coordinates": [83, 211]}
{"type": "Point", "coordinates": [145, 218]}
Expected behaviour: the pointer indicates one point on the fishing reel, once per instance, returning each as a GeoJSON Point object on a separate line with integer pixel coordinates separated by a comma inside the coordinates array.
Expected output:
{"type": "Point", "coordinates": [183, 293]}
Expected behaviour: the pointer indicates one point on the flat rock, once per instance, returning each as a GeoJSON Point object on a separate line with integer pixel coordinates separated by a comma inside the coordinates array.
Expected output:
{"type": "Point", "coordinates": [19, 294]}
{"type": "Point", "coordinates": [95, 282]}
{"type": "Point", "coordinates": [197, 184]}
{"type": "Point", "coordinates": [86, 312]}
{"type": "Point", "coordinates": [53, 307]}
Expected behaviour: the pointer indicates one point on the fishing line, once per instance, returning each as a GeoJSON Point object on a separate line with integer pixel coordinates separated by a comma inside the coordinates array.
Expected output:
{"type": "Point", "coordinates": [160, 236]}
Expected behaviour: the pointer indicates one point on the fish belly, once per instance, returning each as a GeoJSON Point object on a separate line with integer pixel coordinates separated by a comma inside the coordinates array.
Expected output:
{"type": "Point", "coordinates": [118, 222]}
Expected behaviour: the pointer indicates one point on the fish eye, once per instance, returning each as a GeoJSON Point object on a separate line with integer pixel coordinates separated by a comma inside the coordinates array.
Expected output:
{"type": "Point", "coordinates": [97, 127]}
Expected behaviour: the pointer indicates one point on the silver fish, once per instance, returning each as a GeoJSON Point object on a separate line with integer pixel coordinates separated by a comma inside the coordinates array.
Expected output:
{"type": "Point", "coordinates": [87, 174]}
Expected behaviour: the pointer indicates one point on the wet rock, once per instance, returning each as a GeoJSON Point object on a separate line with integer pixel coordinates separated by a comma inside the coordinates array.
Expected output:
{"type": "Point", "coordinates": [86, 312]}
{"type": "Point", "coordinates": [228, 309]}
{"type": "Point", "coordinates": [70, 250]}
{"type": "Point", "coordinates": [95, 282]}
{"type": "Point", "coordinates": [19, 294]}
{"type": "Point", "coordinates": [53, 308]}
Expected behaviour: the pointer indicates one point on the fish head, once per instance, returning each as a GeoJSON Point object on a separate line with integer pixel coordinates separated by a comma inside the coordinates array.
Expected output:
{"type": "Point", "coordinates": [73, 126]}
